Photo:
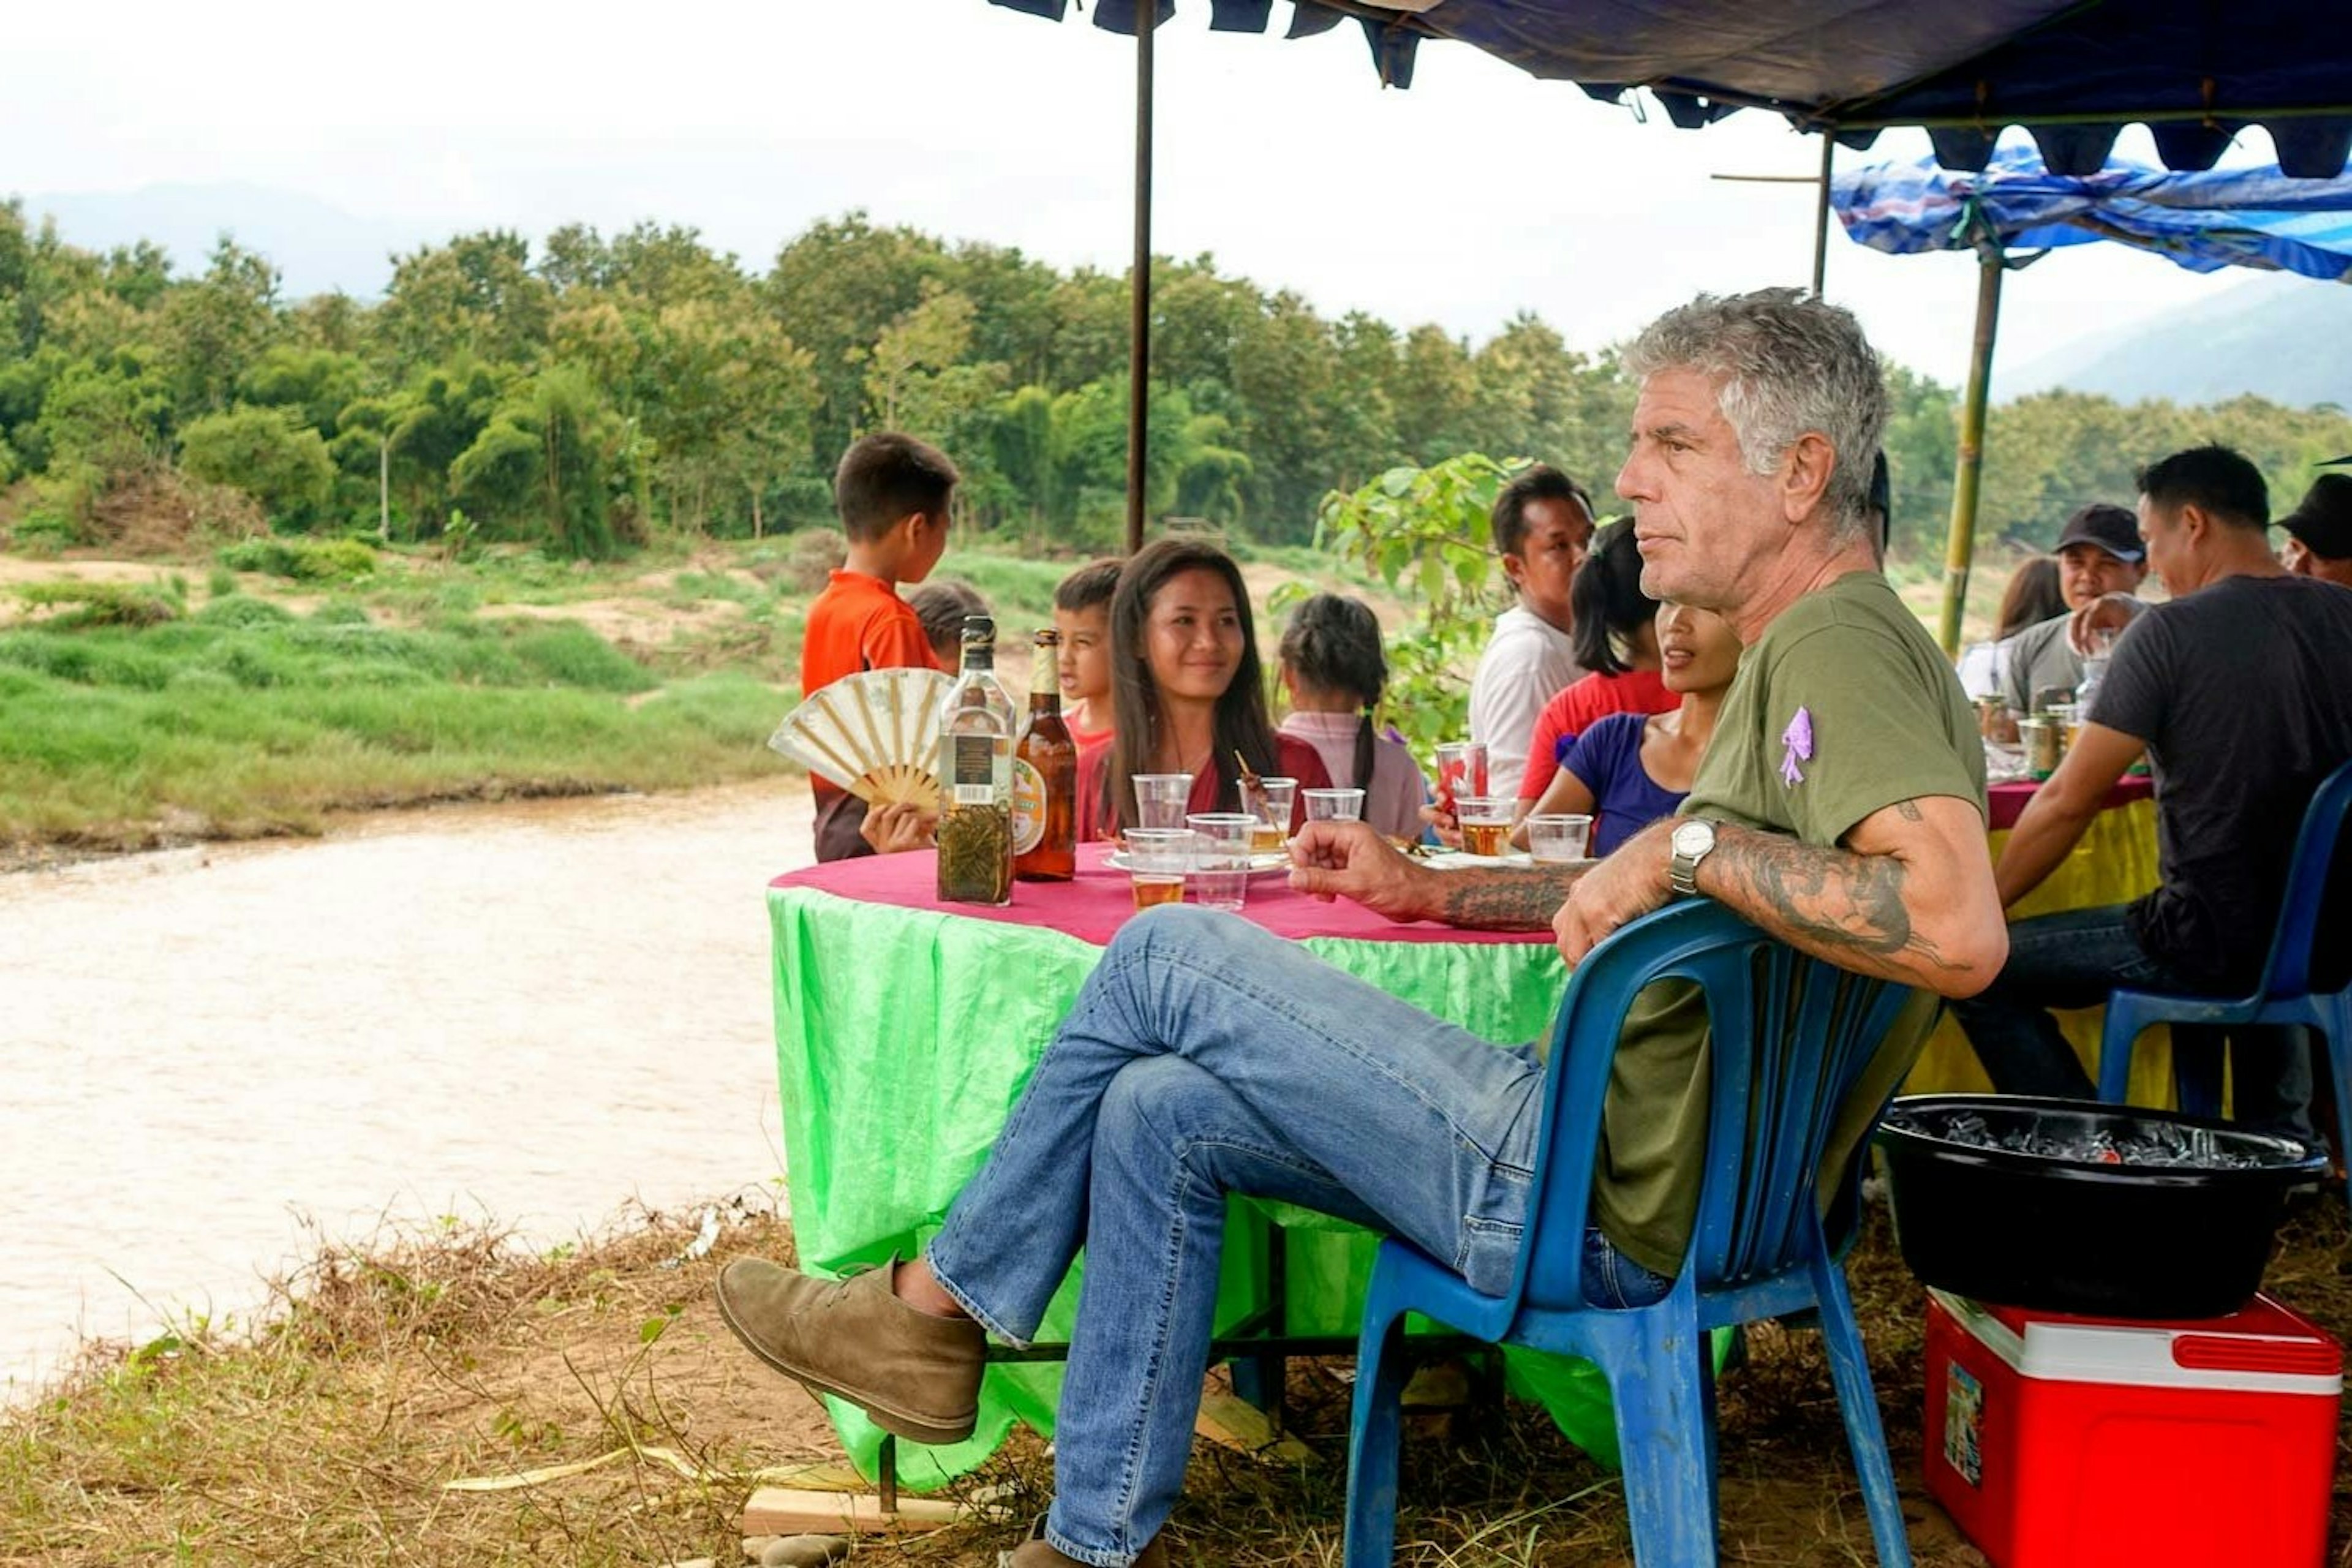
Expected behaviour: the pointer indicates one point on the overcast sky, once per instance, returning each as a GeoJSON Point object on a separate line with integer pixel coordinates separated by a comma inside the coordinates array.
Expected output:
{"type": "Point", "coordinates": [1479, 191]}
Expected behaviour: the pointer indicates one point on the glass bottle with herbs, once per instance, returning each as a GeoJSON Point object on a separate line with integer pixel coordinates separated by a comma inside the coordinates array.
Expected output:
{"type": "Point", "coordinates": [1046, 776]}
{"type": "Point", "coordinates": [975, 832]}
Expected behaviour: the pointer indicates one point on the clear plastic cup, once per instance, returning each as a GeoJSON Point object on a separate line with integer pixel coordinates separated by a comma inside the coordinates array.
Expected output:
{"type": "Point", "coordinates": [1485, 822]}
{"type": "Point", "coordinates": [1221, 858]}
{"type": "Point", "coordinates": [1270, 800]}
{"type": "Point", "coordinates": [1555, 838]}
{"type": "Point", "coordinates": [1161, 798]}
{"type": "Point", "coordinates": [1460, 771]}
{"type": "Point", "coordinates": [1157, 861]}
{"type": "Point", "coordinates": [1335, 806]}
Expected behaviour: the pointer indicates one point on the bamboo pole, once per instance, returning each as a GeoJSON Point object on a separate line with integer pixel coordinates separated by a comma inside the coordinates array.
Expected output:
{"type": "Point", "coordinates": [1959, 546]}
{"type": "Point", "coordinates": [1822, 219]}
{"type": "Point", "coordinates": [1139, 326]}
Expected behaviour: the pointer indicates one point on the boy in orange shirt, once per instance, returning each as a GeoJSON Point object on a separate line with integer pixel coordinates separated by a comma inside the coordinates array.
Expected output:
{"type": "Point", "coordinates": [892, 493]}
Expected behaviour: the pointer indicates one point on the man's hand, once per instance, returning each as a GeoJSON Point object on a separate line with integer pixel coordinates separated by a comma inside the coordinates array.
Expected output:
{"type": "Point", "coordinates": [2109, 612]}
{"type": "Point", "coordinates": [1350, 860]}
{"type": "Point", "coordinates": [1624, 887]}
{"type": "Point", "coordinates": [892, 829]}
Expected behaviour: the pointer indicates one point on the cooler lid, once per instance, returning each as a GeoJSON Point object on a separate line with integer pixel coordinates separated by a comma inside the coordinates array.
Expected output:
{"type": "Point", "coordinates": [2265, 1348]}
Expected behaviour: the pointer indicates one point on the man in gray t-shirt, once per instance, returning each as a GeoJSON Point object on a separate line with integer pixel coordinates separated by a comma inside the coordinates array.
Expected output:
{"type": "Point", "coordinates": [2099, 553]}
{"type": "Point", "coordinates": [2236, 693]}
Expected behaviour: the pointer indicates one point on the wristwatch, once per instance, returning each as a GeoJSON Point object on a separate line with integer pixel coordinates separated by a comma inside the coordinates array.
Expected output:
{"type": "Point", "coordinates": [1693, 841]}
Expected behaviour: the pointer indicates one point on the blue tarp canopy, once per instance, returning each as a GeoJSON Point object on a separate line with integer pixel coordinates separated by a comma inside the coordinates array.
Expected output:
{"type": "Point", "coordinates": [2073, 74]}
{"type": "Point", "coordinates": [2202, 221]}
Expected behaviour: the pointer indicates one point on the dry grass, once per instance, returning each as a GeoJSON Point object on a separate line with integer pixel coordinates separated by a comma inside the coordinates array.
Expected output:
{"type": "Point", "coordinates": [385, 1370]}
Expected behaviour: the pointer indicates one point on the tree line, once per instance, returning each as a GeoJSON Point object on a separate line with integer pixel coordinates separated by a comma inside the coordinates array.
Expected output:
{"type": "Point", "coordinates": [595, 391]}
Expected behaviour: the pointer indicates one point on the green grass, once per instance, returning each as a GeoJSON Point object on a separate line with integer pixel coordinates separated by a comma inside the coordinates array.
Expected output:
{"type": "Point", "coordinates": [1020, 593]}
{"type": "Point", "coordinates": [245, 720]}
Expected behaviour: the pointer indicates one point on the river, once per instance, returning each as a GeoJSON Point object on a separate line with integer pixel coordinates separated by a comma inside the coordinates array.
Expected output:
{"type": "Point", "coordinates": [526, 1013]}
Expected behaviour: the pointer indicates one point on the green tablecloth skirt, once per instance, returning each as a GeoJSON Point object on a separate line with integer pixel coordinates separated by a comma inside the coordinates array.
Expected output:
{"type": "Point", "coordinates": [904, 1038]}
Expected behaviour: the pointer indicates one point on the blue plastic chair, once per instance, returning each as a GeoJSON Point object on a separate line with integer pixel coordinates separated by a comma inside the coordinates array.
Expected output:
{"type": "Point", "coordinates": [1790, 1037]}
{"type": "Point", "coordinates": [2289, 993]}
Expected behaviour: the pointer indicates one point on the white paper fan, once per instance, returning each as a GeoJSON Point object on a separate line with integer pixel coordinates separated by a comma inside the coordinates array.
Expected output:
{"type": "Point", "coordinates": [874, 733]}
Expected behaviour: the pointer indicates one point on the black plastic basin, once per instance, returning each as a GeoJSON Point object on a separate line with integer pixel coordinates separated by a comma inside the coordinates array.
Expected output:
{"type": "Point", "coordinates": [2026, 1228]}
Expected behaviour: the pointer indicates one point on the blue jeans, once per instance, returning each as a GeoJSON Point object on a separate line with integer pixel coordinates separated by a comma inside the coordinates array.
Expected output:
{"type": "Point", "coordinates": [1205, 1057]}
{"type": "Point", "coordinates": [2074, 960]}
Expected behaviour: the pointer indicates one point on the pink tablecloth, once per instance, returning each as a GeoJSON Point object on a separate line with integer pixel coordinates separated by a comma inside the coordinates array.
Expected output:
{"type": "Point", "coordinates": [2006, 801]}
{"type": "Point", "coordinates": [1097, 902]}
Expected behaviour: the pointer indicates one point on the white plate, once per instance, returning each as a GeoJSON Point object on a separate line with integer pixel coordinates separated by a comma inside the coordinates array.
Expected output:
{"type": "Point", "coordinates": [1461, 859]}
{"type": "Point", "coordinates": [1273, 861]}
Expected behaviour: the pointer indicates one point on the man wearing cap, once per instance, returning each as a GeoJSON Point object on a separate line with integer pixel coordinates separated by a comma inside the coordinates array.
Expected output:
{"type": "Point", "coordinates": [2099, 555]}
{"type": "Point", "coordinates": [2234, 692]}
{"type": "Point", "coordinates": [2320, 531]}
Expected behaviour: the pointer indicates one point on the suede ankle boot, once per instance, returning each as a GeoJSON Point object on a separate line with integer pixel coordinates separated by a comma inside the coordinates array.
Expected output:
{"type": "Point", "coordinates": [916, 1374]}
{"type": "Point", "coordinates": [1040, 1554]}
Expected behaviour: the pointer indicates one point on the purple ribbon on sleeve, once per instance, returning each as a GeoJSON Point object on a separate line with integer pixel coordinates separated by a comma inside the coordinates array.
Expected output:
{"type": "Point", "coordinates": [1798, 743]}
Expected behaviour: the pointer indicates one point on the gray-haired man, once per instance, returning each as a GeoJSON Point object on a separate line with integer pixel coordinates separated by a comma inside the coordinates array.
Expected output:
{"type": "Point", "coordinates": [1839, 807]}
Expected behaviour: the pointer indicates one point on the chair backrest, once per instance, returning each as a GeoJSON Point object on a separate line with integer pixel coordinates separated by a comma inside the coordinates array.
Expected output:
{"type": "Point", "coordinates": [1790, 1038]}
{"type": "Point", "coordinates": [2318, 899]}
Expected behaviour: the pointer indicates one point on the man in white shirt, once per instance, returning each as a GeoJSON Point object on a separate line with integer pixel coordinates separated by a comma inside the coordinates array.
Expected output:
{"type": "Point", "coordinates": [1543, 525]}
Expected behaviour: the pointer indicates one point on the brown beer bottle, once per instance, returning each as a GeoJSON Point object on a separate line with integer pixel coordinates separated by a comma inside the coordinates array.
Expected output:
{"type": "Point", "coordinates": [1045, 777]}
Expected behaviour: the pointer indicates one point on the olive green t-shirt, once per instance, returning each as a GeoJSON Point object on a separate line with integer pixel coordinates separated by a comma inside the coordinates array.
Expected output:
{"type": "Point", "coordinates": [1887, 722]}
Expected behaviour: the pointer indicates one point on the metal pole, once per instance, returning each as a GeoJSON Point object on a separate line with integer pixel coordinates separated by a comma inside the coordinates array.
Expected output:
{"type": "Point", "coordinates": [1960, 545]}
{"type": "Point", "coordinates": [1822, 217]}
{"type": "Point", "coordinates": [1139, 372]}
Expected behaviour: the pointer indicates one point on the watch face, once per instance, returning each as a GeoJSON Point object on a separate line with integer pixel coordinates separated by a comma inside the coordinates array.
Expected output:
{"type": "Point", "coordinates": [1692, 838]}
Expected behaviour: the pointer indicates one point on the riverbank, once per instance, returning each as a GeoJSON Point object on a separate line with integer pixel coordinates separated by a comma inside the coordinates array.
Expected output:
{"type": "Point", "coordinates": [145, 704]}
{"type": "Point", "coordinates": [384, 1375]}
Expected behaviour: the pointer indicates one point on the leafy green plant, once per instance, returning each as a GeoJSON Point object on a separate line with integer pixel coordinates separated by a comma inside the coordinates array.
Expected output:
{"type": "Point", "coordinates": [1423, 531]}
{"type": "Point", "coordinates": [302, 559]}
{"type": "Point", "coordinates": [86, 605]}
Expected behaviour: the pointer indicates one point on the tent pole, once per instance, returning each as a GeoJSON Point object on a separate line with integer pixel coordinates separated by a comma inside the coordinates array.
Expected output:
{"type": "Point", "coordinates": [1138, 363]}
{"type": "Point", "coordinates": [1822, 219]}
{"type": "Point", "coordinates": [1961, 543]}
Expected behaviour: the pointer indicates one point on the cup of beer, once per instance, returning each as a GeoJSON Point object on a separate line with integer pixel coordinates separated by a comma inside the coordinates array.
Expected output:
{"type": "Point", "coordinates": [1485, 823]}
{"type": "Point", "coordinates": [1335, 806]}
{"type": "Point", "coordinates": [1221, 858]}
{"type": "Point", "coordinates": [1555, 838]}
{"type": "Point", "coordinates": [1161, 799]}
{"type": "Point", "coordinates": [1270, 801]}
{"type": "Point", "coordinates": [1461, 770]}
{"type": "Point", "coordinates": [1156, 860]}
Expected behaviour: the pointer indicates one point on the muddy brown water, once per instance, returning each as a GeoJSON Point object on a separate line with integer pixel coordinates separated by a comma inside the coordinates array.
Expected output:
{"type": "Point", "coordinates": [531, 1014]}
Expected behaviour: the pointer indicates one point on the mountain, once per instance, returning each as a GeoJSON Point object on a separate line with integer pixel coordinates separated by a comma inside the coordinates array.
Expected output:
{"type": "Point", "coordinates": [316, 246]}
{"type": "Point", "coordinates": [2278, 337]}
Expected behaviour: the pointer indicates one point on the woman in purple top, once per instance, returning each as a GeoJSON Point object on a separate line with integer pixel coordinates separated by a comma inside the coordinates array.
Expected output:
{"type": "Point", "coordinates": [1629, 769]}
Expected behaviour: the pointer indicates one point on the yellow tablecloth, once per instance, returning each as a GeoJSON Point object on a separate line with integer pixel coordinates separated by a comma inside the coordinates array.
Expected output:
{"type": "Point", "coordinates": [2114, 864]}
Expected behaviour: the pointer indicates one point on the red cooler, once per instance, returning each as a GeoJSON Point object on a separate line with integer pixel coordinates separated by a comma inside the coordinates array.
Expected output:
{"type": "Point", "coordinates": [2063, 1442]}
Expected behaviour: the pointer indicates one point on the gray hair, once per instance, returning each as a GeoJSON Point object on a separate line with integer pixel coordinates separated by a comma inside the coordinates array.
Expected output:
{"type": "Point", "coordinates": [1788, 363]}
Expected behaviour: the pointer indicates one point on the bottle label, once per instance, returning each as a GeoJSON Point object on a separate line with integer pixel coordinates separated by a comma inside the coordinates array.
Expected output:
{"type": "Point", "coordinates": [1028, 807]}
{"type": "Point", "coordinates": [971, 760]}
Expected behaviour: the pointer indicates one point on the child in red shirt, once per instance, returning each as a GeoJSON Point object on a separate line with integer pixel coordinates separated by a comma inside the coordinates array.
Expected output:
{"type": "Point", "coordinates": [892, 493]}
{"type": "Point", "coordinates": [1082, 615]}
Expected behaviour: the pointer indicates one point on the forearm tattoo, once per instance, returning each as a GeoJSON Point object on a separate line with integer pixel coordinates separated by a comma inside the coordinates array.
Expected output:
{"type": "Point", "coordinates": [1505, 899]}
{"type": "Point", "coordinates": [1844, 907]}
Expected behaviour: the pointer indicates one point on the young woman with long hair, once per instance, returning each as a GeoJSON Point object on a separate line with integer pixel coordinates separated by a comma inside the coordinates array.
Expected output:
{"type": "Point", "coordinates": [1629, 769]}
{"type": "Point", "coordinates": [1187, 692]}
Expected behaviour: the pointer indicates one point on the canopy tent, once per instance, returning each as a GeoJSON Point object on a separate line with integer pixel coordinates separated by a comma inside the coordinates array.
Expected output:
{"type": "Point", "coordinates": [2073, 72]}
{"type": "Point", "coordinates": [2202, 221]}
